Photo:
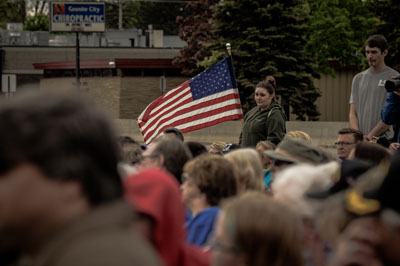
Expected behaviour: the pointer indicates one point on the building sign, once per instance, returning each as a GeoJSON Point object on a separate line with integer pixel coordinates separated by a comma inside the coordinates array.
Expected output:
{"type": "Point", "coordinates": [79, 16]}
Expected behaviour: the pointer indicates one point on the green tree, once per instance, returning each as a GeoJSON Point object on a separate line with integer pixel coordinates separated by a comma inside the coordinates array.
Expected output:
{"type": "Point", "coordinates": [12, 11]}
{"type": "Point", "coordinates": [195, 28]}
{"type": "Point", "coordinates": [140, 14]}
{"type": "Point", "coordinates": [388, 13]}
{"type": "Point", "coordinates": [130, 14]}
{"type": "Point", "coordinates": [267, 38]}
{"type": "Point", "coordinates": [39, 22]}
{"type": "Point", "coordinates": [338, 29]}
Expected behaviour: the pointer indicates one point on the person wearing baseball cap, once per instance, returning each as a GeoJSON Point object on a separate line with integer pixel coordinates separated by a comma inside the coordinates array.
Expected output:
{"type": "Point", "coordinates": [293, 151]}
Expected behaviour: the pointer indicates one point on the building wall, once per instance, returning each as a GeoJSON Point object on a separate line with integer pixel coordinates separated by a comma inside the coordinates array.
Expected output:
{"type": "Point", "coordinates": [104, 91]}
{"type": "Point", "coordinates": [19, 60]}
{"type": "Point", "coordinates": [138, 92]}
{"type": "Point", "coordinates": [334, 102]}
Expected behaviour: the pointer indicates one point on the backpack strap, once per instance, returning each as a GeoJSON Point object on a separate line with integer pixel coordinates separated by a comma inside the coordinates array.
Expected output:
{"type": "Point", "coordinates": [270, 111]}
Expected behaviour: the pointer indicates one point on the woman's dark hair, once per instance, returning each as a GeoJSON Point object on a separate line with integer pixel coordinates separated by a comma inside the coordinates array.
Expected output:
{"type": "Point", "coordinates": [268, 83]}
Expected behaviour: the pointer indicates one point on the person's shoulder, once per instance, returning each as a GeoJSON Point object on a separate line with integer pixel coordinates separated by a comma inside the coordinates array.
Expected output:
{"type": "Point", "coordinates": [107, 248]}
{"type": "Point", "coordinates": [392, 71]}
{"type": "Point", "coordinates": [362, 73]}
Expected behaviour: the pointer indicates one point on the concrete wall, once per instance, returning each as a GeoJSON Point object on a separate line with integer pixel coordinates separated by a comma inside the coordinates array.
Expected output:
{"type": "Point", "coordinates": [322, 133]}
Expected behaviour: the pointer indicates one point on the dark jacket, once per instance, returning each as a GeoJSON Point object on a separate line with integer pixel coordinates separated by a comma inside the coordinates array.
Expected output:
{"type": "Point", "coordinates": [260, 125]}
{"type": "Point", "coordinates": [101, 237]}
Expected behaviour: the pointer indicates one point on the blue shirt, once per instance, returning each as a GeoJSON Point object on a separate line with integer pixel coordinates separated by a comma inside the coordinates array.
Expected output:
{"type": "Point", "coordinates": [201, 226]}
{"type": "Point", "coordinates": [390, 113]}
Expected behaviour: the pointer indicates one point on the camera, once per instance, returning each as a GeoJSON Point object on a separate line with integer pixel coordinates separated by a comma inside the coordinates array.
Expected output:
{"type": "Point", "coordinates": [392, 85]}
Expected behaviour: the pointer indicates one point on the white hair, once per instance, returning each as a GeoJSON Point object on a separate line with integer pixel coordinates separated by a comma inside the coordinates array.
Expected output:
{"type": "Point", "coordinates": [292, 183]}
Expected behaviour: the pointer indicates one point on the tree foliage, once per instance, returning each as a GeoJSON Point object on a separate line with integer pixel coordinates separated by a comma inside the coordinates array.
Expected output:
{"type": "Point", "coordinates": [139, 14]}
{"type": "Point", "coordinates": [268, 38]}
{"type": "Point", "coordinates": [130, 17]}
{"type": "Point", "coordinates": [39, 22]}
{"type": "Point", "coordinates": [12, 11]}
{"type": "Point", "coordinates": [338, 29]}
{"type": "Point", "coordinates": [388, 12]}
{"type": "Point", "coordinates": [195, 28]}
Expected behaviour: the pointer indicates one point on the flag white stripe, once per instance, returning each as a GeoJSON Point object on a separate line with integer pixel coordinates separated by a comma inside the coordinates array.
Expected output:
{"type": "Point", "coordinates": [198, 122]}
{"type": "Point", "coordinates": [172, 99]}
{"type": "Point", "coordinates": [190, 104]}
{"type": "Point", "coordinates": [189, 114]}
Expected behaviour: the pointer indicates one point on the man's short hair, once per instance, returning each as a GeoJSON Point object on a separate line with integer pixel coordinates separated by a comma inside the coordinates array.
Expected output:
{"type": "Point", "coordinates": [175, 154]}
{"type": "Point", "coordinates": [358, 136]}
{"type": "Point", "coordinates": [377, 41]}
{"type": "Point", "coordinates": [66, 137]}
{"type": "Point", "coordinates": [175, 131]}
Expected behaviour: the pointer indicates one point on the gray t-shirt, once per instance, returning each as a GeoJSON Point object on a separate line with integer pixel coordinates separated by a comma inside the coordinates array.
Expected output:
{"type": "Point", "coordinates": [368, 93]}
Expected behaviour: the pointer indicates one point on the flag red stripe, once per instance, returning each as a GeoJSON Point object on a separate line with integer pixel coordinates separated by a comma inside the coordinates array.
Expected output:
{"type": "Point", "coordinates": [204, 125]}
{"type": "Point", "coordinates": [163, 98]}
{"type": "Point", "coordinates": [168, 115]}
{"type": "Point", "coordinates": [211, 123]}
{"type": "Point", "coordinates": [192, 118]}
{"type": "Point", "coordinates": [165, 110]}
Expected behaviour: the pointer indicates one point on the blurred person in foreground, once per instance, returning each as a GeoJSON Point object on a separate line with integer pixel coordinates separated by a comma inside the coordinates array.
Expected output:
{"type": "Point", "coordinates": [290, 187]}
{"type": "Point", "coordinates": [157, 200]}
{"type": "Point", "coordinates": [255, 230]}
{"type": "Point", "coordinates": [266, 121]}
{"type": "Point", "coordinates": [372, 152]}
{"type": "Point", "coordinates": [60, 192]}
{"type": "Point", "coordinates": [373, 238]}
{"type": "Point", "coordinates": [207, 180]}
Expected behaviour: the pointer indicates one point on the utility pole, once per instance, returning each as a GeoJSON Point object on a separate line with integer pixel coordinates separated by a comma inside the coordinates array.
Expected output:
{"type": "Point", "coordinates": [120, 14]}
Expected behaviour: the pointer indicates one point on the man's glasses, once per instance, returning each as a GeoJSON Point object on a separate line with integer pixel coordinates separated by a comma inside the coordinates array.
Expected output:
{"type": "Point", "coordinates": [343, 143]}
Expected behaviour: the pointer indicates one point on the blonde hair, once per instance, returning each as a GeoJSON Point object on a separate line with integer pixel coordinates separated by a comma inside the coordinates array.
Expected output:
{"type": "Point", "coordinates": [265, 145]}
{"type": "Point", "coordinates": [247, 164]}
{"type": "Point", "coordinates": [298, 135]}
{"type": "Point", "coordinates": [273, 237]}
{"type": "Point", "coordinates": [218, 146]}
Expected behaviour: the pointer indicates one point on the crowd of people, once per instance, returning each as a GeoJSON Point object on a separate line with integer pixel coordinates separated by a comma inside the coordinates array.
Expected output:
{"type": "Point", "coordinates": [74, 193]}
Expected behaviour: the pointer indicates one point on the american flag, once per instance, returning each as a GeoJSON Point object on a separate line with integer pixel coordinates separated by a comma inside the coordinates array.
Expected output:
{"type": "Point", "coordinates": [207, 99]}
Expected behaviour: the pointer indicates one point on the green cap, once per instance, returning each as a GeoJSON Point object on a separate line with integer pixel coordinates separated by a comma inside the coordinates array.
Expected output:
{"type": "Point", "coordinates": [299, 148]}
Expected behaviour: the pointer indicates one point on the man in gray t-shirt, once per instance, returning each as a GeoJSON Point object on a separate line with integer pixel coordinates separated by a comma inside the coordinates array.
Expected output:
{"type": "Point", "coordinates": [368, 92]}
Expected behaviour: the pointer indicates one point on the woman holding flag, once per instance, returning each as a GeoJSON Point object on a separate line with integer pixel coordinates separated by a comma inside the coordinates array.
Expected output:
{"type": "Point", "coordinates": [266, 121]}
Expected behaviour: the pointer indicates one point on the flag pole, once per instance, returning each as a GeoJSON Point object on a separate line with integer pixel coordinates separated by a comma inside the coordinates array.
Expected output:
{"type": "Point", "coordinates": [229, 51]}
